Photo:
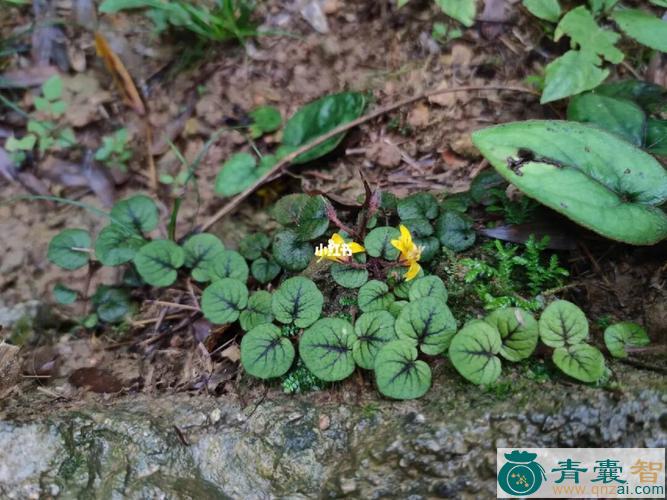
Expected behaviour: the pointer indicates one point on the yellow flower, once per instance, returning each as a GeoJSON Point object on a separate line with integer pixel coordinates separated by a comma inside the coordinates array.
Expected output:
{"type": "Point", "coordinates": [338, 250]}
{"type": "Point", "coordinates": [410, 253]}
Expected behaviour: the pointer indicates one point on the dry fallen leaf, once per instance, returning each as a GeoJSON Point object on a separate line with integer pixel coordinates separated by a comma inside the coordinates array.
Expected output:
{"type": "Point", "coordinates": [232, 353]}
{"type": "Point", "coordinates": [419, 116]}
{"type": "Point", "coordinates": [10, 368]}
{"type": "Point", "coordinates": [95, 380]}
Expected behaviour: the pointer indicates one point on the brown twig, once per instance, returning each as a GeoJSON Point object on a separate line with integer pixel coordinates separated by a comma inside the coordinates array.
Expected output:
{"type": "Point", "coordinates": [231, 205]}
{"type": "Point", "coordinates": [174, 305]}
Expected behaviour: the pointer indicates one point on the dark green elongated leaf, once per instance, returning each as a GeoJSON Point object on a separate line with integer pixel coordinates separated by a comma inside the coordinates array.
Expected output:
{"type": "Point", "coordinates": [223, 301]}
{"type": "Point", "coordinates": [563, 324]}
{"type": "Point", "coordinates": [454, 231]}
{"type": "Point", "coordinates": [297, 301]}
{"type": "Point", "coordinates": [313, 221]}
{"type": "Point", "coordinates": [574, 72]}
{"type": "Point", "coordinates": [158, 262]}
{"type": "Point", "coordinates": [326, 349]}
{"type": "Point", "coordinates": [619, 116]}
{"type": "Point", "coordinates": [236, 174]}
{"type": "Point", "coordinates": [348, 277]}
{"type": "Point", "coordinates": [398, 372]}
{"type": "Point", "coordinates": [111, 304]}
{"type": "Point", "coordinates": [650, 96]}
{"type": "Point", "coordinates": [201, 253]}
{"type": "Point", "coordinates": [375, 296]}
{"type": "Point", "coordinates": [265, 119]}
{"type": "Point", "coordinates": [656, 136]}
{"type": "Point", "coordinates": [474, 352]}
{"type": "Point", "coordinates": [290, 253]}
{"type": "Point", "coordinates": [258, 311]}
{"type": "Point", "coordinates": [644, 27]}
{"type": "Point", "coordinates": [378, 242]}
{"type": "Point", "coordinates": [265, 353]}
{"type": "Point", "coordinates": [625, 334]}
{"type": "Point", "coordinates": [69, 249]}
{"type": "Point", "coordinates": [587, 174]}
{"type": "Point", "coordinates": [116, 245]}
{"type": "Point", "coordinates": [373, 330]}
{"type": "Point", "coordinates": [264, 270]}
{"type": "Point", "coordinates": [580, 361]}
{"type": "Point", "coordinates": [429, 323]}
{"type": "Point", "coordinates": [137, 212]}
{"type": "Point", "coordinates": [428, 286]}
{"type": "Point", "coordinates": [229, 264]}
{"type": "Point", "coordinates": [318, 118]}
{"type": "Point", "coordinates": [63, 294]}
{"type": "Point", "coordinates": [418, 206]}
{"type": "Point", "coordinates": [252, 246]}
{"type": "Point", "coordinates": [518, 331]}
{"type": "Point", "coordinates": [287, 209]}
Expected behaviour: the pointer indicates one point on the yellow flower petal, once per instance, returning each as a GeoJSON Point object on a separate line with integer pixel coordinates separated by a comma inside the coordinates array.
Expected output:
{"type": "Point", "coordinates": [337, 239]}
{"type": "Point", "coordinates": [406, 237]}
{"type": "Point", "coordinates": [356, 247]}
{"type": "Point", "coordinates": [413, 271]}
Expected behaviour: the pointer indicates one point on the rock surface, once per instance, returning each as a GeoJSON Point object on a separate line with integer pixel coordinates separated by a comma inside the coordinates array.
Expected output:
{"type": "Point", "coordinates": [444, 445]}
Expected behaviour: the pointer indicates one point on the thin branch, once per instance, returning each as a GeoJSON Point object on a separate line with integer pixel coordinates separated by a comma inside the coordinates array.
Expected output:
{"type": "Point", "coordinates": [174, 305]}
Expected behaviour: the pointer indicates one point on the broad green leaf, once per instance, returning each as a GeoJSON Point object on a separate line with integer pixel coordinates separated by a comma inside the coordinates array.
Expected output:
{"type": "Point", "coordinates": [401, 3]}
{"type": "Point", "coordinates": [398, 372]}
{"type": "Point", "coordinates": [229, 264]}
{"type": "Point", "coordinates": [201, 253]}
{"type": "Point", "coordinates": [116, 245]}
{"type": "Point", "coordinates": [236, 174]}
{"type": "Point", "coordinates": [582, 29]}
{"type": "Point", "coordinates": [399, 286]}
{"type": "Point", "coordinates": [621, 335]}
{"type": "Point", "coordinates": [429, 323]}
{"type": "Point", "coordinates": [26, 143]}
{"type": "Point", "coordinates": [396, 307]}
{"type": "Point", "coordinates": [347, 276]}
{"type": "Point", "coordinates": [563, 324]}
{"type": "Point", "coordinates": [589, 175]}
{"type": "Point", "coordinates": [656, 136]}
{"type": "Point", "coordinates": [549, 10]}
{"type": "Point", "coordinates": [454, 231]}
{"type": "Point", "coordinates": [418, 206]}
{"type": "Point", "coordinates": [313, 221]}
{"type": "Point", "coordinates": [265, 353]}
{"type": "Point", "coordinates": [619, 116]}
{"type": "Point", "coordinates": [650, 96]}
{"type": "Point", "coordinates": [598, 6]}
{"type": "Point", "coordinates": [378, 242]}
{"type": "Point", "coordinates": [474, 352]}
{"type": "Point", "coordinates": [659, 3]}
{"type": "Point", "coordinates": [580, 361]}
{"type": "Point", "coordinates": [223, 301]}
{"type": "Point", "coordinates": [430, 247]}
{"type": "Point", "coordinates": [373, 330]}
{"type": "Point", "coordinates": [291, 253]}
{"type": "Point", "coordinates": [137, 212]}
{"type": "Point", "coordinates": [481, 187]}
{"type": "Point", "coordinates": [326, 349]}
{"type": "Point", "coordinates": [287, 209]}
{"type": "Point", "coordinates": [318, 118]}
{"type": "Point", "coordinates": [111, 304]}
{"type": "Point", "coordinates": [461, 10]}
{"type": "Point", "coordinates": [63, 294]}
{"type": "Point", "coordinates": [419, 228]}
{"type": "Point", "coordinates": [264, 270]}
{"type": "Point", "coordinates": [572, 73]}
{"type": "Point", "coordinates": [158, 262]}
{"type": "Point", "coordinates": [52, 88]}
{"type": "Point", "coordinates": [428, 286]}
{"type": "Point", "coordinates": [644, 27]}
{"type": "Point", "coordinates": [518, 330]}
{"type": "Point", "coordinates": [457, 202]}
{"type": "Point", "coordinates": [297, 301]}
{"type": "Point", "coordinates": [69, 249]}
{"type": "Point", "coordinates": [265, 119]}
{"type": "Point", "coordinates": [258, 311]}
{"type": "Point", "coordinates": [375, 296]}
{"type": "Point", "coordinates": [253, 245]}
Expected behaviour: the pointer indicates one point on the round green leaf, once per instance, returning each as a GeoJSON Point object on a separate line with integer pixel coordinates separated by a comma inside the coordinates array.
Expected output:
{"type": "Point", "coordinates": [158, 262]}
{"type": "Point", "coordinates": [580, 361]}
{"type": "Point", "coordinates": [223, 301]}
{"type": "Point", "coordinates": [518, 331]}
{"type": "Point", "coordinates": [138, 213]}
{"type": "Point", "coordinates": [326, 349]}
{"type": "Point", "coordinates": [474, 350]}
{"type": "Point", "coordinates": [375, 296]}
{"type": "Point", "coordinates": [418, 206]}
{"type": "Point", "coordinates": [656, 136]}
{"type": "Point", "coordinates": [201, 253]}
{"type": "Point", "coordinates": [373, 330]}
{"type": "Point", "coordinates": [401, 287]}
{"type": "Point", "coordinates": [63, 294]}
{"type": "Point", "coordinates": [253, 245]}
{"type": "Point", "coordinates": [297, 301]}
{"type": "Point", "coordinates": [111, 304]}
{"type": "Point", "coordinates": [430, 247]}
{"type": "Point", "coordinates": [481, 187]}
{"type": "Point", "coordinates": [429, 323]}
{"type": "Point", "coordinates": [229, 264]}
{"type": "Point", "coordinates": [313, 221]}
{"type": "Point", "coordinates": [258, 311]}
{"type": "Point", "coordinates": [264, 270]}
{"type": "Point", "coordinates": [454, 230]}
{"type": "Point", "coordinates": [396, 307]}
{"type": "Point", "coordinates": [419, 228]}
{"type": "Point", "coordinates": [563, 324]}
{"type": "Point", "coordinates": [265, 119]}
{"type": "Point", "coordinates": [398, 372]}
{"type": "Point", "coordinates": [378, 242]}
{"type": "Point", "coordinates": [287, 209]}
{"type": "Point", "coordinates": [625, 334]}
{"type": "Point", "coordinates": [291, 253]}
{"type": "Point", "coordinates": [348, 277]}
{"type": "Point", "coordinates": [265, 353]}
{"type": "Point", "coordinates": [428, 286]}
{"type": "Point", "coordinates": [116, 245]}
{"type": "Point", "coordinates": [236, 174]}
{"type": "Point", "coordinates": [69, 249]}
{"type": "Point", "coordinates": [591, 176]}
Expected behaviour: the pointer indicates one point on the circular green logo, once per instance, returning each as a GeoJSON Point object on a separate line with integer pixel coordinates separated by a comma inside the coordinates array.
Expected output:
{"type": "Point", "coordinates": [521, 475]}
